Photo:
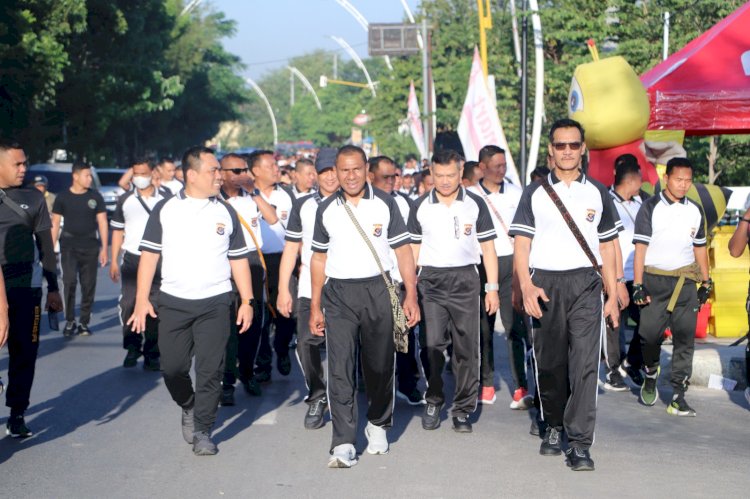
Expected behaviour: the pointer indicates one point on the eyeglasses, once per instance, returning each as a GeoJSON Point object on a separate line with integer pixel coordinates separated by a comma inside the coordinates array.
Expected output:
{"type": "Point", "coordinates": [560, 146]}
{"type": "Point", "coordinates": [236, 171]}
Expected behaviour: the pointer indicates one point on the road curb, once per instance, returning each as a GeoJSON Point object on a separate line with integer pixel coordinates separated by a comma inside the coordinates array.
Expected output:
{"type": "Point", "coordinates": [712, 358]}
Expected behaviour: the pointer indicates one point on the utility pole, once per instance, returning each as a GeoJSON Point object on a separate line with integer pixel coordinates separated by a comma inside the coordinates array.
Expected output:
{"type": "Point", "coordinates": [524, 89]}
{"type": "Point", "coordinates": [291, 90]}
{"type": "Point", "coordinates": [426, 87]}
{"type": "Point", "coordinates": [335, 66]}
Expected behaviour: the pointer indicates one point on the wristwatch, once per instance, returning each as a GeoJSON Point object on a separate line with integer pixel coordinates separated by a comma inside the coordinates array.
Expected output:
{"type": "Point", "coordinates": [491, 287]}
{"type": "Point", "coordinates": [249, 301]}
{"type": "Point", "coordinates": [621, 280]}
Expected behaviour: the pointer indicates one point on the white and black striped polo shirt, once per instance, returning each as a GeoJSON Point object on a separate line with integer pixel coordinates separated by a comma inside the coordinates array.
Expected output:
{"type": "Point", "coordinates": [131, 216]}
{"type": "Point", "coordinates": [300, 230]}
{"type": "Point", "coordinates": [348, 255]}
{"type": "Point", "coordinates": [196, 239]}
{"type": "Point", "coordinates": [670, 229]}
{"type": "Point", "coordinates": [245, 206]}
{"type": "Point", "coordinates": [503, 203]}
{"type": "Point", "coordinates": [450, 235]}
{"type": "Point", "coordinates": [553, 246]}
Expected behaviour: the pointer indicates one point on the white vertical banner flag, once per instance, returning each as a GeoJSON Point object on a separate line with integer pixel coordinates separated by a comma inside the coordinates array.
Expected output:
{"type": "Point", "coordinates": [479, 125]}
{"type": "Point", "coordinates": [415, 122]}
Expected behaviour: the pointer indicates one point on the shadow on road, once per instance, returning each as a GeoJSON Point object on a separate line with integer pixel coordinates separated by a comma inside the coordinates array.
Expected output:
{"type": "Point", "coordinates": [100, 399]}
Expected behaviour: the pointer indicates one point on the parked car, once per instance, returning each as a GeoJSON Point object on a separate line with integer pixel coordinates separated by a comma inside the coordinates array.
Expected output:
{"type": "Point", "coordinates": [110, 191]}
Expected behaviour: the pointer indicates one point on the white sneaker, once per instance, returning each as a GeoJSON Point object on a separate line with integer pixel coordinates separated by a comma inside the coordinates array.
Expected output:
{"type": "Point", "coordinates": [376, 439]}
{"type": "Point", "coordinates": [747, 395]}
{"type": "Point", "coordinates": [343, 456]}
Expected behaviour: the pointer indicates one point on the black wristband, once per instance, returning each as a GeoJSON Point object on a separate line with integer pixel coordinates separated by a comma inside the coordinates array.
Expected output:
{"type": "Point", "coordinates": [745, 220]}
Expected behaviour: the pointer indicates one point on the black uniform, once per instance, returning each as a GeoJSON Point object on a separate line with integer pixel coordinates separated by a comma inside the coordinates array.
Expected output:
{"type": "Point", "coordinates": [567, 383]}
{"type": "Point", "coordinates": [79, 248]}
{"type": "Point", "coordinates": [18, 240]}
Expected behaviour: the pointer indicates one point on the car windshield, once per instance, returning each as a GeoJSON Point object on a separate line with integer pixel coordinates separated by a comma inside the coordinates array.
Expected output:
{"type": "Point", "coordinates": [58, 181]}
{"type": "Point", "coordinates": [109, 178]}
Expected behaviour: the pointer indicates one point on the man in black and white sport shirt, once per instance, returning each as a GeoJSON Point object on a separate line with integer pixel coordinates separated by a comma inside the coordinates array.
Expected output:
{"type": "Point", "coordinates": [382, 175]}
{"type": "Point", "coordinates": [199, 239]}
{"type": "Point", "coordinates": [251, 209]}
{"type": "Point", "coordinates": [670, 257]}
{"type": "Point", "coordinates": [563, 291]}
{"type": "Point", "coordinates": [625, 194]}
{"type": "Point", "coordinates": [502, 198]}
{"type": "Point", "coordinates": [448, 226]}
{"type": "Point", "coordinates": [128, 223]}
{"type": "Point", "coordinates": [265, 174]}
{"type": "Point", "coordinates": [299, 234]}
{"type": "Point", "coordinates": [356, 301]}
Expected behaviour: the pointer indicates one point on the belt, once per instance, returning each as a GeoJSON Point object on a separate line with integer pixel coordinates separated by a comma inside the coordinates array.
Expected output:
{"type": "Point", "coordinates": [692, 272]}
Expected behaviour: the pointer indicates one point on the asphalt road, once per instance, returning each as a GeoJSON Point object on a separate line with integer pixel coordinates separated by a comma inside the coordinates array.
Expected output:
{"type": "Point", "coordinates": [105, 431]}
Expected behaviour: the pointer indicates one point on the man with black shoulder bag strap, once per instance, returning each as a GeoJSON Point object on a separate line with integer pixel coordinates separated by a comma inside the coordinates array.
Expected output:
{"type": "Point", "coordinates": [352, 304]}
{"type": "Point", "coordinates": [565, 230]}
{"type": "Point", "coordinates": [25, 242]}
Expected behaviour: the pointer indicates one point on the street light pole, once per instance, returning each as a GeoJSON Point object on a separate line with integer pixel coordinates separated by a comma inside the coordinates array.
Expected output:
{"type": "Point", "coordinates": [524, 89]}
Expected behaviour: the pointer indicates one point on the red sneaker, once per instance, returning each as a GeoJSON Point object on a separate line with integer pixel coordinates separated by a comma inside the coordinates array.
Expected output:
{"type": "Point", "coordinates": [521, 400]}
{"type": "Point", "coordinates": [487, 395]}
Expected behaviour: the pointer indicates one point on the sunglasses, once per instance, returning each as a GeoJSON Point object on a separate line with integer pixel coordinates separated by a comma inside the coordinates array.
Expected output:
{"type": "Point", "coordinates": [560, 146]}
{"type": "Point", "coordinates": [236, 171]}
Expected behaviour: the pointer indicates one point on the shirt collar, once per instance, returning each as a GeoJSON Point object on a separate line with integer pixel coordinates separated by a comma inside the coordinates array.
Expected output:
{"type": "Point", "coordinates": [182, 195]}
{"type": "Point", "coordinates": [552, 178]}
{"type": "Point", "coordinates": [668, 201]}
{"type": "Point", "coordinates": [368, 192]}
{"type": "Point", "coordinates": [459, 196]}
{"type": "Point", "coordinates": [487, 191]}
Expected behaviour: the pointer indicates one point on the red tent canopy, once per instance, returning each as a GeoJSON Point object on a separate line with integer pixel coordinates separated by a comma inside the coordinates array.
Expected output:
{"type": "Point", "coordinates": [704, 88]}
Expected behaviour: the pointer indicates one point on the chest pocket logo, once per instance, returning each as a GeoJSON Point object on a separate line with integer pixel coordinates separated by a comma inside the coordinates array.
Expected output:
{"type": "Point", "coordinates": [590, 214]}
{"type": "Point", "coordinates": [284, 214]}
{"type": "Point", "coordinates": [467, 229]}
{"type": "Point", "coordinates": [254, 222]}
{"type": "Point", "coordinates": [693, 230]}
{"type": "Point", "coordinates": [92, 203]}
{"type": "Point", "coordinates": [377, 230]}
{"type": "Point", "coordinates": [220, 229]}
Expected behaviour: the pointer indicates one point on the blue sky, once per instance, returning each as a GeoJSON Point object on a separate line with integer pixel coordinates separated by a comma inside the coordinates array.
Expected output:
{"type": "Point", "coordinates": [271, 31]}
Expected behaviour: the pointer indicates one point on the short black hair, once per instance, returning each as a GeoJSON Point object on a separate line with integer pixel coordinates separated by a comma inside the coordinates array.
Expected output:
{"type": "Point", "coordinates": [446, 157]}
{"type": "Point", "coordinates": [6, 144]}
{"type": "Point", "coordinates": [410, 157]}
{"type": "Point", "coordinates": [191, 159]}
{"type": "Point", "coordinates": [487, 152]}
{"type": "Point", "coordinates": [166, 159]}
{"type": "Point", "coordinates": [679, 163]}
{"type": "Point", "coordinates": [144, 160]}
{"type": "Point", "coordinates": [235, 156]}
{"type": "Point", "coordinates": [80, 165]}
{"type": "Point", "coordinates": [566, 123]}
{"type": "Point", "coordinates": [625, 165]}
{"type": "Point", "coordinates": [469, 169]}
{"type": "Point", "coordinates": [304, 161]}
{"type": "Point", "coordinates": [374, 163]}
{"type": "Point", "coordinates": [350, 149]}
{"type": "Point", "coordinates": [254, 157]}
{"type": "Point", "coordinates": [539, 173]}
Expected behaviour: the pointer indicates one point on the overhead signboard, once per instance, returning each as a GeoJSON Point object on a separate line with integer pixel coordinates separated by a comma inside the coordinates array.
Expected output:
{"type": "Point", "coordinates": [393, 39]}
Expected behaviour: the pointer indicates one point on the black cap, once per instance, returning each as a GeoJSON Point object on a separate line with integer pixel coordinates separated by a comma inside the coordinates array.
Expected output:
{"type": "Point", "coordinates": [41, 179]}
{"type": "Point", "coordinates": [325, 159]}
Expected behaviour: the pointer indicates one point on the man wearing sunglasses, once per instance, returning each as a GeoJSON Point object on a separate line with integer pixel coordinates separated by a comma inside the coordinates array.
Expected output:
{"type": "Point", "coordinates": [251, 209]}
{"type": "Point", "coordinates": [562, 290]}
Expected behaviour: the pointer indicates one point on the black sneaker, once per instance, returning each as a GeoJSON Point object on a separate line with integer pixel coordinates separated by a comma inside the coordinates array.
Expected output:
{"type": "Point", "coordinates": [678, 406]}
{"type": "Point", "coordinates": [203, 445]}
{"type": "Point", "coordinates": [614, 382]}
{"type": "Point", "coordinates": [252, 386]}
{"type": "Point", "coordinates": [579, 459]}
{"type": "Point", "coordinates": [16, 428]}
{"type": "Point", "coordinates": [188, 425]}
{"type": "Point", "coordinates": [152, 364]}
{"type": "Point", "coordinates": [83, 330]}
{"type": "Point", "coordinates": [262, 377]}
{"type": "Point", "coordinates": [551, 443]}
{"type": "Point", "coordinates": [284, 364]}
{"type": "Point", "coordinates": [414, 397]}
{"type": "Point", "coordinates": [70, 329]}
{"type": "Point", "coordinates": [131, 358]}
{"type": "Point", "coordinates": [431, 417]}
{"type": "Point", "coordinates": [633, 373]}
{"type": "Point", "coordinates": [314, 415]}
{"type": "Point", "coordinates": [227, 395]}
{"type": "Point", "coordinates": [461, 424]}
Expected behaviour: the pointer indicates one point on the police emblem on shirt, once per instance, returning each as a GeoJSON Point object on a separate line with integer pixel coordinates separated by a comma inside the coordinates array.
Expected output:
{"type": "Point", "coordinates": [467, 229]}
{"type": "Point", "coordinates": [377, 230]}
{"type": "Point", "coordinates": [220, 229]}
{"type": "Point", "coordinates": [254, 222]}
{"type": "Point", "coordinates": [590, 214]}
{"type": "Point", "coordinates": [92, 203]}
{"type": "Point", "coordinates": [284, 215]}
{"type": "Point", "coordinates": [693, 230]}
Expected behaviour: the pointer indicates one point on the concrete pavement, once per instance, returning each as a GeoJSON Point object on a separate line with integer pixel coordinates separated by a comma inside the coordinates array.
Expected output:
{"type": "Point", "coordinates": [104, 431]}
